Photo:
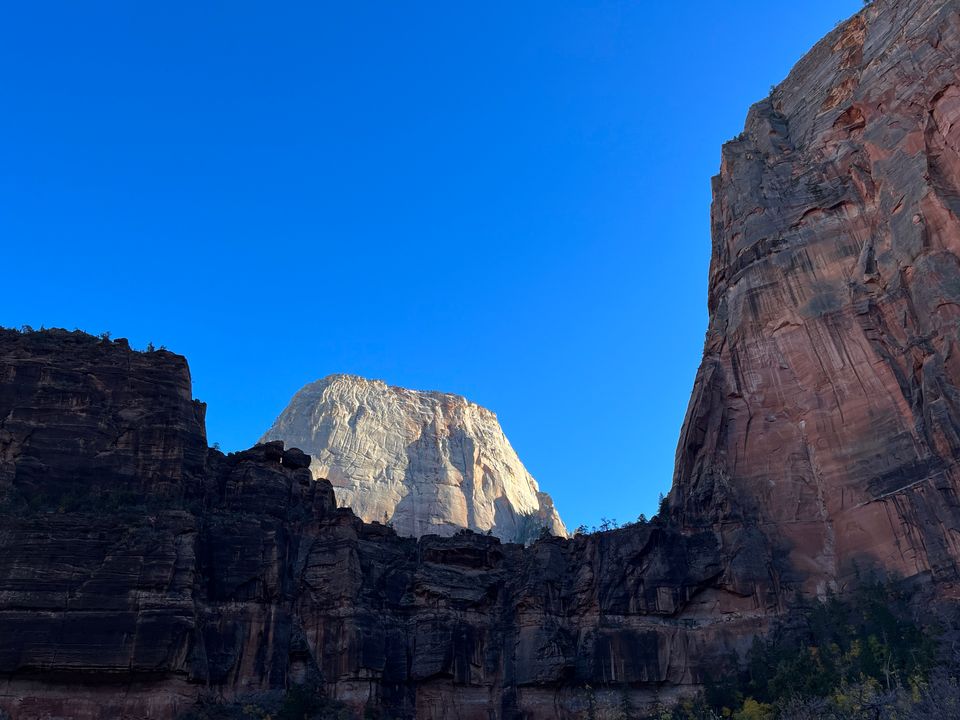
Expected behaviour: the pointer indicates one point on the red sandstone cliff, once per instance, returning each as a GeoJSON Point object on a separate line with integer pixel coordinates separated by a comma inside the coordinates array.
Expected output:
{"type": "Point", "coordinates": [827, 406]}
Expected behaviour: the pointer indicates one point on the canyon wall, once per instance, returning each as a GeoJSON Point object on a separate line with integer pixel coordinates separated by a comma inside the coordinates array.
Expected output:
{"type": "Point", "coordinates": [827, 407]}
{"type": "Point", "coordinates": [141, 572]}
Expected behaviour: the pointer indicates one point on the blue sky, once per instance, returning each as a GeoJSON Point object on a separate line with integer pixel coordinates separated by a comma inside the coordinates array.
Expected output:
{"type": "Point", "coordinates": [506, 200]}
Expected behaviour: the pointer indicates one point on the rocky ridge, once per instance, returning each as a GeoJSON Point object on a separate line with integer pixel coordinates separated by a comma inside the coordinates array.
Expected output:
{"type": "Point", "coordinates": [424, 462]}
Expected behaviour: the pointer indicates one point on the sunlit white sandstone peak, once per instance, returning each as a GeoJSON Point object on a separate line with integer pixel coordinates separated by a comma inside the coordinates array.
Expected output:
{"type": "Point", "coordinates": [426, 462]}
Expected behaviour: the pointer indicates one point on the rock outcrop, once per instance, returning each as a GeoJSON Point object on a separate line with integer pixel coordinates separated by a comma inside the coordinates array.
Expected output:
{"type": "Point", "coordinates": [827, 406]}
{"type": "Point", "coordinates": [424, 462]}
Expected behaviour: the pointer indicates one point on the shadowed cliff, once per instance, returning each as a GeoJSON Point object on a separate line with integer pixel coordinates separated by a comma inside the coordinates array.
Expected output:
{"type": "Point", "coordinates": [140, 571]}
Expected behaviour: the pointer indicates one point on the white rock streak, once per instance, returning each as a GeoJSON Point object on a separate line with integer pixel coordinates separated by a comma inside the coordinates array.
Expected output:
{"type": "Point", "coordinates": [426, 462]}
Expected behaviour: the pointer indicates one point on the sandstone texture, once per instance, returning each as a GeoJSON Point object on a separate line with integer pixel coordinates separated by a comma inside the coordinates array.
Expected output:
{"type": "Point", "coordinates": [827, 410]}
{"type": "Point", "coordinates": [424, 462]}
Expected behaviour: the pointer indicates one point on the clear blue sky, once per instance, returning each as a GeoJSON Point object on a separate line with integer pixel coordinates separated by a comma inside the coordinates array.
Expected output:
{"type": "Point", "coordinates": [506, 200]}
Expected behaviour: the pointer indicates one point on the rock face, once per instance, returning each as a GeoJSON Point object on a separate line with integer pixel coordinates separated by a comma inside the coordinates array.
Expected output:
{"type": "Point", "coordinates": [827, 406]}
{"type": "Point", "coordinates": [136, 565]}
{"type": "Point", "coordinates": [140, 572]}
{"type": "Point", "coordinates": [426, 462]}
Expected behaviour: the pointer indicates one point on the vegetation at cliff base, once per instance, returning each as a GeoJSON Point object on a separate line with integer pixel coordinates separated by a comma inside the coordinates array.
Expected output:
{"type": "Point", "coordinates": [300, 702]}
{"type": "Point", "coordinates": [866, 656]}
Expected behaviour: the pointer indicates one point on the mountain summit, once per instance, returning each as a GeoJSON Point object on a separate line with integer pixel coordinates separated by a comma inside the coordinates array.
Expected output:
{"type": "Point", "coordinates": [425, 462]}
